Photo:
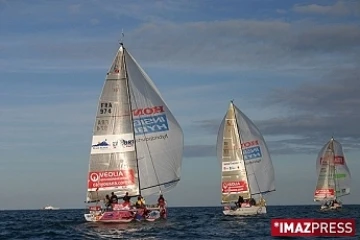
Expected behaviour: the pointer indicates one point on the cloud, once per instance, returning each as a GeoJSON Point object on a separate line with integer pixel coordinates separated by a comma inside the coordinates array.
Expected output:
{"type": "Point", "coordinates": [319, 109]}
{"type": "Point", "coordinates": [281, 11]}
{"type": "Point", "coordinates": [340, 8]}
{"type": "Point", "coordinates": [316, 110]}
{"type": "Point", "coordinates": [94, 21]}
{"type": "Point", "coordinates": [35, 121]}
{"type": "Point", "coordinates": [149, 11]}
{"type": "Point", "coordinates": [235, 45]}
{"type": "Point", "coordinates": [74, 8]}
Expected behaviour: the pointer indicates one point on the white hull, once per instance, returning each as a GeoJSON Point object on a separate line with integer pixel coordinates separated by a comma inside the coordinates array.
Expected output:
{"type": "Point", "coordinates": [327, 208]}
{"type": "Point", "coordinates": [92, 218]}
{"type": "Point", "coordinates": [126, 216]}
{"type": "Point", "coordinates": [246, 211]}
{"type": "Point", "coordinates": [50, 208]}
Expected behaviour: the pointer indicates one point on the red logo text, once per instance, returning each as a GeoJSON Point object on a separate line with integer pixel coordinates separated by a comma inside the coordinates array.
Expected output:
{"type": "Point", "coordinates": [250, 144]}
{"type": "Point", "coordinates": [337, 160]}
{"type": "Point", "coordinates": [104, 179]}
{"type": "Point", "coordinates": [148, 111]}
{"type": "Point", "coordinates": [234, 186]}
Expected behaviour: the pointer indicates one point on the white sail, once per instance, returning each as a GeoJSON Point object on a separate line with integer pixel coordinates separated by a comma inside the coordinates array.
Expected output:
{"type": "Point", "coordinates": [254, 153]}
{"type": "Point", "coordinates": [234, 181]}
{"type": "Point", "coordinates": [334, 176]}
{"type": "Point", "coordinates": [325, 187]}
{"type": "Point", "coordinates": [159, 137]}
{"type": "Point", "coordinates": [137, 144]}
{"type": "Point", "coordinates": [113, 165]}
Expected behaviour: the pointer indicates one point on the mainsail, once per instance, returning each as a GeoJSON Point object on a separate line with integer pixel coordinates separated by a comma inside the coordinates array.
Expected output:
{"type": "Point", "coordinates": [334, 176]}
{"type": "Point", "coordinates": [247, 169]}
{"type": "Point", "coordinates": [137, 143]}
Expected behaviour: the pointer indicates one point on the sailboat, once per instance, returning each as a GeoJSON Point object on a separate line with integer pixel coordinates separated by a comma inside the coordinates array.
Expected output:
{"type": "Point", "coordinates": [247, 172]}
{"type": "Point", "coordinates": [137, 144]}
{"type": "Point", "coordinates": [49, 207]}
{"type": "Point", "coordinates": [334, 176]}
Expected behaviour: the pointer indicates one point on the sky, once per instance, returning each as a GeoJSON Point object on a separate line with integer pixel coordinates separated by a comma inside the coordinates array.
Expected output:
{"type": "Point", "coordinates": [293, 67]}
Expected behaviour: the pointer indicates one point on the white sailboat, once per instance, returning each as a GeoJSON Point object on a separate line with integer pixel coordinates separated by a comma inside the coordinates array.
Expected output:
{"type": "Point", "coordinates": [137, 144]}
{"type": "Point", "coordinates": [334, 176]}
{"type": "Point", "coordinates": [49, 207]}
{"type": "Point", "coordinates": [247, 171]}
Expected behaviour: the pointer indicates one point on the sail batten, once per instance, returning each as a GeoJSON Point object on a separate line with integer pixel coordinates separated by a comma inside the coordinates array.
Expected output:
{"type": "Point", "coordinates": [242, 152]}
{"type": "Point", "coordinates": [137, 143]}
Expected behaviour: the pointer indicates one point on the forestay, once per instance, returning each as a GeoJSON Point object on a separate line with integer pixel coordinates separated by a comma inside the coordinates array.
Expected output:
{"type": "Point", "coordinates": [255, 154]}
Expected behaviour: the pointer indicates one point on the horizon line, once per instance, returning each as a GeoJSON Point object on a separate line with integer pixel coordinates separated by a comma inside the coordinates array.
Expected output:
{"type": "Point", "coordinates": [217, 206]}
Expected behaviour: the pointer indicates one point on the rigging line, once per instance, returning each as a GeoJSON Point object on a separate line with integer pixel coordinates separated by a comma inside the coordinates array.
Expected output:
{"type": "Point", "coordinates": [242, 153]}
{"type": "Point", "coordinates": [131, 118]}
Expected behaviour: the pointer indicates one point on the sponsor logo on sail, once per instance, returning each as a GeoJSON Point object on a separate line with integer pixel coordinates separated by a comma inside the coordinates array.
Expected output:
{"type": "Point", "coordinates": [234, 186]}
{"type": "Point", "coordinates": [324, 192]}
{"type": "Point", "coordinates": [337, 160]}
{"type": "Point", "coordinates": [150, 120]}
{"type": "Point", "coordinates": [313, 227]}
{"type": "Point", "coordinates": [251, 150]}
{"type": "Point", "coordinates": [343, 191]}
{"type": "Point", "coordinates": [99, 145]}
{"type": "Point", "coordinates": [124, 143]}
{"type": "Point", "coordinates": [103, 179]}
{"type": "Point", "coordinates": [340, 175]}
{"type": "Point", "coordinates": [231, 166]}
{"type": "Point", "coordinates": [94, 177]}
{"type": "Point", "coordinates": [113, 143]}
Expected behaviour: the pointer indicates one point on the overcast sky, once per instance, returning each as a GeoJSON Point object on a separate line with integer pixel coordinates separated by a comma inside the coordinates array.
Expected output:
{"type": "Point", "coordinates": [293, 67]}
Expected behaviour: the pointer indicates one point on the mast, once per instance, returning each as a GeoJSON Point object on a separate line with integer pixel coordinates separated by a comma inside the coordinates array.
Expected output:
{"type": "Point", "coordinates": [334, 171]}
{"type": "Point", "coordinates": [332, 168]}
{"type": "Point", "coordinates": [130, 110]}
{"type": "Point", "coordinates": [238, 131]}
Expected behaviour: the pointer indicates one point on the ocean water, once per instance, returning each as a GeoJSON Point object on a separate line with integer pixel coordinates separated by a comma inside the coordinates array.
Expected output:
{"type": "Point", "coordinates": [183, 223]}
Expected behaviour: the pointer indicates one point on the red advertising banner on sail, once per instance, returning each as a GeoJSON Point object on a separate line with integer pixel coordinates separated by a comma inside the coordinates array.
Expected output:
{"type": "Point", "coordinates": [337, 160]}
{"type": "Point", "coordinates": [324, 193]}
{"type": "Point", "coordinates": [234, 186]}
{"type": "Point", "coordinates": [105, 179]}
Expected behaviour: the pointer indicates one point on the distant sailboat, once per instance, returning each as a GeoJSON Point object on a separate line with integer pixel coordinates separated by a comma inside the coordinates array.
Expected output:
{"type": "Point", "coordinates": [137, 143]}
{"type": "Point", "coordinates": [334, 176]}
{"type": "Point", "coordinates": [247, 169]}
{"type": "Point", "coordinates": [49, 207]}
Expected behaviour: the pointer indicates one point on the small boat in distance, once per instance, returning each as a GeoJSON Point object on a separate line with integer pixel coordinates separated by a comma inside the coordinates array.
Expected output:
{"type": "Point", "coordinates": [334, 176]}
{"type": "Point", "coordinates": [246, 169]}
{"type": "Point", "coordinates": [49, 207]}
{"type": "Point", "coordinates": [137, 145]}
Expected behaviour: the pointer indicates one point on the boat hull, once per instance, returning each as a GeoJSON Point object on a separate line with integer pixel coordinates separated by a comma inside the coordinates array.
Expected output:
{"type": "Point", "coordinates": [329, 208]}
{"type": "Point", "coordinates": [245, 211]}
{"type": "Point", "coordinates": [124, 216]}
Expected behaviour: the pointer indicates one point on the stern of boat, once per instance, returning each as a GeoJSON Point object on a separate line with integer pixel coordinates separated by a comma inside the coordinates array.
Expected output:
{"type": "Point", "coordinates": [245, 211]}
{"type": "Point", "coordinates": [90, 217]}
{"type": "Point", "coordinates": [157, 212]}
{"type": "Point", "coordinates": [94, 213]}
